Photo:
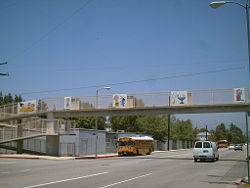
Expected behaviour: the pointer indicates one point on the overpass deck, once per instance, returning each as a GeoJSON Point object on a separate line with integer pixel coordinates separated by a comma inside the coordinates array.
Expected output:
{"type": "Point", "coordinates": [198, 109]}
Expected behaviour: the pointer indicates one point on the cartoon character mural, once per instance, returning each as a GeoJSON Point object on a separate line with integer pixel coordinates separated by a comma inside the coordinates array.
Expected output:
{"type": "Point", "coordinates": [67, 103]}
{"type": "Point", "coordinates": [179, 98]}
{"type": "Point", "coordinates": [27, 107]}
{"type": "Point", "coordinates": [239, 95]}
{"type": "Point", "coordinates": [120, 100]}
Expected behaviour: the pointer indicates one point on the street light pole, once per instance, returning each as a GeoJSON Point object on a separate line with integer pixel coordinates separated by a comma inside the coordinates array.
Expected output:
{"type": "Point", "coordinates": [247, 132]}
{"type": "Point", "coordinates": [96, 117]}
{"type": "Point", "coordinates": [248, 37]}
{"type": "Point", "coordinates": [217, 4]}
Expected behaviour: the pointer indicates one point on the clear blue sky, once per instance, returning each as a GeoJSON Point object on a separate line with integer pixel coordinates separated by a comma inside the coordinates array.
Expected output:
{"type": "Point", "coordinates": [63, 44]}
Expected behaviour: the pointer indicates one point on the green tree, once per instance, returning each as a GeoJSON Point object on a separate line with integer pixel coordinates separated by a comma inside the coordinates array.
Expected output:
{"type": "Point", "coordinates": [236, 135]}
{"type": "Point", "coordinates": [212, 138]}
{"type": "Point", "coordinates": [89, 122]}
{"type": "Point", "coordinates": [155, 125]}
{"type": "Point", "coordinates": [8, 99]}
{"type": "Point", "coordinates": [183, 130]}
{"type": "Point", "coordinates": [195, 132]}
{"type": "Point", "coordinates": [127, 123]}
{"type": "Point", "coordinates": [18, 98]}
{"type": "Point", "coordinates": [221, 133]}
{"type": "Point", "coordinates": [1, 98]}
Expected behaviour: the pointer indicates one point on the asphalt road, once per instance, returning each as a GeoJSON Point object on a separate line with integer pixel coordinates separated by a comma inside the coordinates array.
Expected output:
{"type": "Point", "coordinates": [166, 169]}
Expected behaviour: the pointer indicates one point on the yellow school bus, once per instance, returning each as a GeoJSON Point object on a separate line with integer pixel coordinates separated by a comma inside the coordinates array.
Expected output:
{"type": "Point", "coordinates": [135, 145]}
{"type": "Point", "coordinates": [222, 143]}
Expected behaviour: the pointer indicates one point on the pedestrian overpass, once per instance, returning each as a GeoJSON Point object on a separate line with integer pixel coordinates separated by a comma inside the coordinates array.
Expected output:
{"type": "Point", "coordinates": [50, 110]}
{"type": "Point", "coordinates": [198, 101]}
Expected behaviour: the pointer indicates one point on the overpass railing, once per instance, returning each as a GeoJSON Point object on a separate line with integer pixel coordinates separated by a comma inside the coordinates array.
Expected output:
{"type": "Point", "coordinates": [37, 126]}
{"type": "Point", "coordinates": [156, 99]}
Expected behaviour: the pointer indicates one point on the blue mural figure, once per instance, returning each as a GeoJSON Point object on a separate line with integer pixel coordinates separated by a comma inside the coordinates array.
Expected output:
{"type": "Point", "coordinates": [123, 101]}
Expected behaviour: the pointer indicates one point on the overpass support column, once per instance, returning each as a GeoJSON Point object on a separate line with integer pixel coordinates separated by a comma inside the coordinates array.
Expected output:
{"type": "Point", "coordinates": [19, 134]}
{"type": "Point", "coordinates": [52, 139]}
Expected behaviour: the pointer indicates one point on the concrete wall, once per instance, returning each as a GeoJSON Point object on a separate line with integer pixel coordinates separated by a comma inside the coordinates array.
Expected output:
{"type": "Point", "coordinates": [173, 145]}
{"type": "Point", "coordinates": [86, 141]}
{"type": "Point", "coordinates": [111, 142]}
{"type": "Point", "coordinates": [67, 145]}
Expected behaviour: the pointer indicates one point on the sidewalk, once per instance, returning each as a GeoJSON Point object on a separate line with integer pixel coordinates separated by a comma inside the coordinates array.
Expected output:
{"type": "Point", "coordinates": [27, 156]}
{"type": "Point", "coordinates": [234, 184]}
{"type": "Point", "coordinates": [243, 183]}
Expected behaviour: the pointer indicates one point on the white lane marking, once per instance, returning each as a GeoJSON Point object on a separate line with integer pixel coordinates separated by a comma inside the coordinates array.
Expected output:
{"type": "Point", "coordinates": [5, 172]}
{"type": "Point", "coordinates": [25, 170]}
{"type": "Point", "coordinates": [2, 163]}
{"type": "Point", "coordinates": [126, 180]}
{"type": "Point", "coordinates": [87, 176]}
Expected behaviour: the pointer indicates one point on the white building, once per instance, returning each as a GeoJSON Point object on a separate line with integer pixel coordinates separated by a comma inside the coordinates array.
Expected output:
{"type": "Point", "coordinates": [202, 136]}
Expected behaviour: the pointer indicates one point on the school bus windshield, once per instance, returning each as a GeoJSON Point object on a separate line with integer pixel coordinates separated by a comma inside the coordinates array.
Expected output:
{"type": "Point", "coordinates": [222, 143]}
{"type": "Point", "coordinates": [125, 143]}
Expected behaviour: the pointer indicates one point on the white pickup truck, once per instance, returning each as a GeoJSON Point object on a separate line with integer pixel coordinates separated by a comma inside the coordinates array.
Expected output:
{"type": "Point", "coordinates": [205, 150]}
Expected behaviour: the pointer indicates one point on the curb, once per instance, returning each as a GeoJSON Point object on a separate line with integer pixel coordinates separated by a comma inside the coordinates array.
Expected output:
{"type": "Point", "coordinates": [56, 158]}
{"type": "Point", "coordinates": [18, 157]}
{"type": "Point", "coordinates": [98, 157]}
{"type": "Point", "coordinates": [243, 182]}
{"type": "Point", "coordinates": [34, 157]}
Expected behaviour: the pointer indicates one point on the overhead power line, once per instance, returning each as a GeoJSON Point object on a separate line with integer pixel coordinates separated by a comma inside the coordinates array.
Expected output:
{"type": "Point", "coordinates": [138, 81]}
{"type": "Point", "coordinates": [52, 30]}
{"type": "Point", "coordinates": [4, 74]}
{"type": "Point", "coordinates": [3, 63]}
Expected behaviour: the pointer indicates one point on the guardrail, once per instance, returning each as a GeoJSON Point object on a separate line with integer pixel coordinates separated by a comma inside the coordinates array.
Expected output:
{"type": "Point", "coordinates": [156, 99]}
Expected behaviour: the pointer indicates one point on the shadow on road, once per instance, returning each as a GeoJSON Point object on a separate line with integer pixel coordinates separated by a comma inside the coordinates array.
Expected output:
{"type": "Point", "coordinates": [176, 158]}
{"type": "Point", "coordinates": [221, 182]}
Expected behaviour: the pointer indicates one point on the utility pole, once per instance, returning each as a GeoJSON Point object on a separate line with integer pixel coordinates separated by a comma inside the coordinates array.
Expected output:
{"type": "Point", "coordinates": [169, 126]}
{"type": "Point", "coordinates": [4, 74]}
{"type": "Point", "coordinates": [206, 132]}
{"type": "Point", "coordinates": [247, 132]}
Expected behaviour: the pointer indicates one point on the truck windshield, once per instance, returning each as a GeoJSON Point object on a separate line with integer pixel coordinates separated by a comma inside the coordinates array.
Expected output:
{"type": "Point", "coordinates": [206, 145]}
{"type": "Point", "coordinates": [198, 145]}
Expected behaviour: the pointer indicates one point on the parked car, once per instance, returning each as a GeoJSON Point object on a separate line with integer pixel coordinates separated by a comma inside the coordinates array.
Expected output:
{"type": "Point", "coordinates": [238, 147]}
{"type": "Point", "coordinates": [231, 146]}
{"type": "Point", "coordinates": [205, 150]}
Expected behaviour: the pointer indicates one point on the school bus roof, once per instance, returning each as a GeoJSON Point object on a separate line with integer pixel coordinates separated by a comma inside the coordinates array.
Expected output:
{"type": "Point", "coordinates": [222, 141]}
{"type": "Point", "coordinates": [138, 138]}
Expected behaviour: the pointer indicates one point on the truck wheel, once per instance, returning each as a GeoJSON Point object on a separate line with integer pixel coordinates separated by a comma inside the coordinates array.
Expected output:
{"type": "Point", "coordinates": [217, 158]}
{"type": "Point", "coordinates": [213, 159]}
{"type": "Point", "coordinates": [195, 160]}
